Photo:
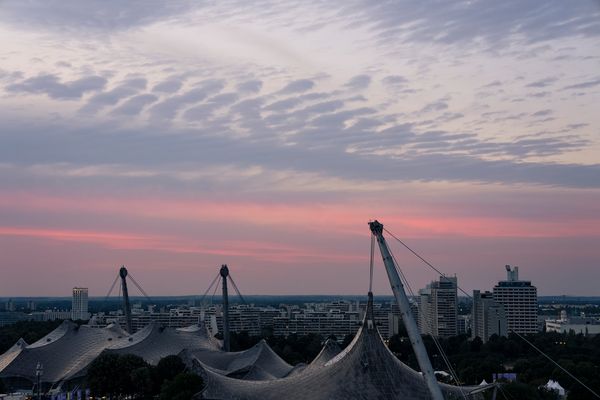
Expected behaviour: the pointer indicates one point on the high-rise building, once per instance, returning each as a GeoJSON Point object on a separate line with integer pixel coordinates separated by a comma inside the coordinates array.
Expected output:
{"type": "Point", "coordinates": [463, 324]}
{"type": "Point", "coordinates": [438, 308]}
{"type": "Point", "coordinates": [79, 309]}
{"type": "Point", "coordinates": [488, 316]}
{"type": "Point", "coordinates": [519, 299]}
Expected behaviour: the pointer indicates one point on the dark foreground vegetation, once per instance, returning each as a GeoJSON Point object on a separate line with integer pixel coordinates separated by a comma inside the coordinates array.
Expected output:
{"type": "Point", "coordinates": [129, 376]}
{"type": "Point", "coordinates": [30, 331]}
{"type": "Point", "coordinates": [475, 361]}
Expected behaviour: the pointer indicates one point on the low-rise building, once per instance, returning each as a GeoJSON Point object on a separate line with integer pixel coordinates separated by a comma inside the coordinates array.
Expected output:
{"type": "Point", "coordinates": [578, 325]}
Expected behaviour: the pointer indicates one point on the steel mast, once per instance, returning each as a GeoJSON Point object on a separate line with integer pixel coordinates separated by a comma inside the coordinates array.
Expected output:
{"type": "Point", "coordinates": [404, 305]}
{"type": "Point", "coordinates": [126, 304]}
{"type": "Point", "coordinates": [225, 274]}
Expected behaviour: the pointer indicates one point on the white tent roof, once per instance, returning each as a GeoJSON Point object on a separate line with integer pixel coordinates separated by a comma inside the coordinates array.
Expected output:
{"type": "Point", "coordinates": [554, 385]}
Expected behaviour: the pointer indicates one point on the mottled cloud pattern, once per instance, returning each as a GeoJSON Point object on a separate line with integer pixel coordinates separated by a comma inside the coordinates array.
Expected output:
{"type": "Point", "coordinates": [178, 137]}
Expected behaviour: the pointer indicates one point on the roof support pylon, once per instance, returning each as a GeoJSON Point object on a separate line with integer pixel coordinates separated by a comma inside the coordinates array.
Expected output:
{"type": "Point", "coordinates": [126, 303]}
{"type": "Point", "coordinates": [225, 275]}
{"type": "Point", "coordinates": [404, 305]}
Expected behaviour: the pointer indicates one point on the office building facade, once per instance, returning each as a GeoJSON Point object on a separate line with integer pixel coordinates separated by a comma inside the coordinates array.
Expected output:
{"type": "Point", "coordinates": [519, 299]}
{"type": "Point", "coordinates": [488, 317]}
{"type": "Point", "coordinates": [79, 305]}
{"type": "Point", "coordinates": [438, 308]}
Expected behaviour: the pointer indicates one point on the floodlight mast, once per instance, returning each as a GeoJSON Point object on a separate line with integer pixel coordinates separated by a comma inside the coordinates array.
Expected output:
{"type": "Point", "coordinates": [404, 305]}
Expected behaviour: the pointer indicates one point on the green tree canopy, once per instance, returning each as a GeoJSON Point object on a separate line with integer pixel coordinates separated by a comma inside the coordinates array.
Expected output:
{"type": "Point", "coordinates": [182, 387]}
{"type": "Point", "coordinates": [167, 369]}
{"type": "Point", "coordinates": [114, 375]}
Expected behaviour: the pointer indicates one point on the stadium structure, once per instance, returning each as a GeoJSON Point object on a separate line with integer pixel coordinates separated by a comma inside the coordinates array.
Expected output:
{"type": "Point", "coordinates": [366, 369]}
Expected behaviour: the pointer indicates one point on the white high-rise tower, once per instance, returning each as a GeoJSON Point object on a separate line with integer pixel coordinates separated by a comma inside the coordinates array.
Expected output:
{"type": "Point", "coordinates": [519, 299]}
{"type": "Point", "coordinates": [79, 309]}
{"type": "Point", "coordinates": [438, 308]}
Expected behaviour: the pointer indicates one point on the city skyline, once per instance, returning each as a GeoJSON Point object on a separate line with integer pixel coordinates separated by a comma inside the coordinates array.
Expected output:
{"type": "Point", "coordinates": [179, 137]}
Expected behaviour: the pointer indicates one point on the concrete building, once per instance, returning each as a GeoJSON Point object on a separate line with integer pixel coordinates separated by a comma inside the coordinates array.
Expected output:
{"type": "Point", "coordinates": [79, 308]}
{"type": "Point", "coordinates": [488, 316]}
{"type": "Point", "coordinates": [519, 299]}
{"type": "Point", "coordinates": [463, 324]}
{"type": "Point", "coordinates": [51, 315]}
{"type": "Point", "coordinates": [338, 318]}
{"type": "Point", "coordinates": [582, 324]}
{"type": "Point", "coordinates": [10, 305]}
{"type": "Point", "coordinates": [11, 317]}
{"type": "Point", "coordinates": [438, 308]}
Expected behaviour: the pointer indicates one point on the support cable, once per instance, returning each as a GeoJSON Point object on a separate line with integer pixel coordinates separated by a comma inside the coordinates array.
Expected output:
{"type": "Point", "coordinates": [438, 345]}
{"type": "Point", "coordinates": [505, 393]}
{"type": "Point", "coordinates": [557, 364]}
{"type": "Point", "coordinates": [469, 296]}
{"type": "Point", "coordinates": [209, 287]}
{"type": "Point", "coordinates": [215, 291]}
{"type": "Point", "coordinates": [111, 287]}
{"type": "Point", "coordinates": [371, 263]}
{"type": "Point", "coordinates": [422, 259]}
{"type": "Point", "coordinates": [139, 287]}
{"type": "Point", "coordinates": [236, 289]}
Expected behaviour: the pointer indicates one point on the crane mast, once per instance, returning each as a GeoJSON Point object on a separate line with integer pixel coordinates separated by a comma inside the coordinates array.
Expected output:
{"type": "Point", "coordinates": [404, 305]}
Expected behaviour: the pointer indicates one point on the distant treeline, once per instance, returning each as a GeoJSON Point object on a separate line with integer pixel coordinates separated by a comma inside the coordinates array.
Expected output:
{"type": "Point", "coordinates": [30, 331]}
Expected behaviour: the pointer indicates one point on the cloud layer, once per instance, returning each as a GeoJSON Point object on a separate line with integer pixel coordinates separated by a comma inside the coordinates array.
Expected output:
{"type": "Point", "coordinates": [129, 132]}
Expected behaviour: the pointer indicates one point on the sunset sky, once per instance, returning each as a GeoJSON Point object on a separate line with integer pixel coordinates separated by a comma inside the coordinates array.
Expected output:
{"type": "Point", "coordinates": [173, 137]}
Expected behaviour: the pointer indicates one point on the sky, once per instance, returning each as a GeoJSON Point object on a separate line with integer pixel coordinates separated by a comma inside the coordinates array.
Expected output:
{"type": "Point", "coordinates": [173, 137]}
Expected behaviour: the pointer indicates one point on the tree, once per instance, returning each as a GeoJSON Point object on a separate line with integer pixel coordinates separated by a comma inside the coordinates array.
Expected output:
{"type": "Point", "coordinates": [114, 375]}
{"type": "Point", "coordinates": [521, 391]}
{"type": "Point", "coordinates": [182, 387]}
{"type": "Point", "coordinates": [30, 331]}
{"type": "Point", "coordinates": [126, 364]}
{"type": "Point", "coordinates": [476, 344]}
{"type": "Point", "coordinates": [167, 369]}
{"type": "Point", "coordinates": [142, 380]}
{"type": "Point", "coordinates": [102, 375]}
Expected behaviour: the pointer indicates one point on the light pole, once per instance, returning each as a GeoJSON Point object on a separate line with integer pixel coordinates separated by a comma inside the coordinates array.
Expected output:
{"type": "Point", "coordinates": [39, 371]}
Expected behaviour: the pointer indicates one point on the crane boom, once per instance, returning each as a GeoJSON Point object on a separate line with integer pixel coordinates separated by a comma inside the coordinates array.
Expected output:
{"type": "Point", "coordinates": [404, 305]}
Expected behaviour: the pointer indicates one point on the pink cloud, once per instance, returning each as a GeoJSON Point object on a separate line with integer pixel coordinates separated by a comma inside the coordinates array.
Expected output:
{"type": "Point", "coordinates": [347, 218]}
{"type": "Point", "coordinates": [267, 251]}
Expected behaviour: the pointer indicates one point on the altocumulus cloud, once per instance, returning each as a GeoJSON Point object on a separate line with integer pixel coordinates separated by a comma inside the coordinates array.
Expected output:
{"type": "Point", "coordinates": [51, 85]}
